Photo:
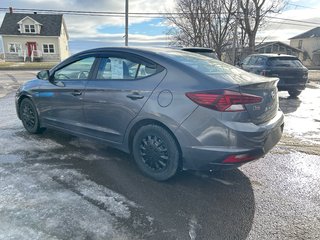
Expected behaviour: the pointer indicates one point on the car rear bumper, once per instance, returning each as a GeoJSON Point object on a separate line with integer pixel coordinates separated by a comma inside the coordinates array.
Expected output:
{"type": "Point", "coordinates": [244, 146]}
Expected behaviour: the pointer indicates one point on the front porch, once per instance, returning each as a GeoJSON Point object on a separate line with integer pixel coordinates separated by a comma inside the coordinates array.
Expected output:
{"type": "Point", "coordinates": [35, 55]}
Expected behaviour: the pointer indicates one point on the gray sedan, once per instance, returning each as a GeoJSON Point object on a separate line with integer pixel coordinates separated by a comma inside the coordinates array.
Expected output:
{"type": "Point", "coordinates": [171, 109]}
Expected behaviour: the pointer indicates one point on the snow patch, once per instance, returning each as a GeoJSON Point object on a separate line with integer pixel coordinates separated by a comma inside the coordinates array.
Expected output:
{"type": "Point", "coordinates": [193, 225]}
{"type": "Point", "coordinates": [41, 202]}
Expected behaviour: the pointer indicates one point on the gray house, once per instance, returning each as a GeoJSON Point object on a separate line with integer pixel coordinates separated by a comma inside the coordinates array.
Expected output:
{"type": "Point", "coordinates": [34, 37]}
{"type": "Point", "coordinates": [309, 43]}
{"type": "Point", "coordinates": [278, 47]}
{"type": "Point", "coordinates": [272, 47]}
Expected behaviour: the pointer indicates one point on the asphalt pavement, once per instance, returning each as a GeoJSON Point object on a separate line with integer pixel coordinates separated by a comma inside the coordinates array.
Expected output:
{"type": "Point", "coordinates": [56, 186]}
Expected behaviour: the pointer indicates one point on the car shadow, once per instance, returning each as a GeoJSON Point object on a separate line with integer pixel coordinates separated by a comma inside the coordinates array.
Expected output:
{"type": "Point", "coordinates": [289, 104]}
{"type": "Point", "coordinates": [207, 205]}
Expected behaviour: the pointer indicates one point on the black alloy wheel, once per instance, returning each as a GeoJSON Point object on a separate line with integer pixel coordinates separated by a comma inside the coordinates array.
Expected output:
{"type": "Point", "coordinates": [29, 116]}
{"type": "Point", "coordinates": [156, 152]}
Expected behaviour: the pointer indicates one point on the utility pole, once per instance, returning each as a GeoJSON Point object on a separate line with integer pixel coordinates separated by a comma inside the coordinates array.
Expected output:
{"type": "Point", "coordinates": [235, 37]}
{"type": "Point", "coordinates": [126, 22]}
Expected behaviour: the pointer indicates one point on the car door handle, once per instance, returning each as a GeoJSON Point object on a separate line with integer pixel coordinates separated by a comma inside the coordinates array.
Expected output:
{"type": "Point", "coordinates": [135, 96]}
{"type": "Point", "coordinates": [76, 93]}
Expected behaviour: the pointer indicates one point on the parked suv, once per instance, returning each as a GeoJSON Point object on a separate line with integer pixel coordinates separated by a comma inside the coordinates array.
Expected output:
{"type": "Point", "coordinates": [292, 74]}
{"type": "Point", "coordinates": [208, 52]}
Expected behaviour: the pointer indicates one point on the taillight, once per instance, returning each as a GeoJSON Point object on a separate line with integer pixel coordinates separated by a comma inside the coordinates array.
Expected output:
{"type": "Point", "coordinates": [223, 100]}
{"type": "Point", "coordinates": [239, 158]}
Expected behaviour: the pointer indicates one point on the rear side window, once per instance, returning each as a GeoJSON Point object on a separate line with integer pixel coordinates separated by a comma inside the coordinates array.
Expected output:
{"type": "Point", "coordinates": [120, 68]}
{"type": "Point", "coordinates": [284, 62]}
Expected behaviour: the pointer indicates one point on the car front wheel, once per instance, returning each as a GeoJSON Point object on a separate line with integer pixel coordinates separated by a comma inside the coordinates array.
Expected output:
{"type": "Point", "coordinates": [29, 116]}
{"type": "Point", "coordinates": [156, 152]}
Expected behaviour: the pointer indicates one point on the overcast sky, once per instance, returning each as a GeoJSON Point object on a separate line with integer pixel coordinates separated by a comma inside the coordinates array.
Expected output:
{"type": "Point", "coordinates": [88, 32]}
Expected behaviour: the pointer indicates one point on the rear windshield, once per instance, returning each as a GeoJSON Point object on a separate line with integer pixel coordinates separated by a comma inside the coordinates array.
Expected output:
{"type": "Point", "coordinates": [214, 68]}
{"type": "Point", "coordinates": [206, 65]}
{"type": "Point", "coordinates": [209, 54]}
{"type": "Point", "coordinates": [284, 62]}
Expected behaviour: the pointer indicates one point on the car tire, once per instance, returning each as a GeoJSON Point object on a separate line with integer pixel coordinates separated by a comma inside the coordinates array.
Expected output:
{"type": "Point", "coordinates": [29, 116]}
{"type": "Point", "coordinates": [156, 152]}
{"type": "Point", "coordinates": [294, 93]}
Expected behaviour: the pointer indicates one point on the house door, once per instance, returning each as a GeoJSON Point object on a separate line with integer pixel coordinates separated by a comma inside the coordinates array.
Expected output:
{"type": "Point", "coordinates": [31, 46]}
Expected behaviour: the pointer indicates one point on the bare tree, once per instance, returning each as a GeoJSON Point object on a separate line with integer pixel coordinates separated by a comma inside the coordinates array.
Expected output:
{"type": "Point", "coordinates": [253, 14]}
{"type": "Point", "coordinates": [221, 24]}
{"type": "Point", "coordinates": [203, 23]}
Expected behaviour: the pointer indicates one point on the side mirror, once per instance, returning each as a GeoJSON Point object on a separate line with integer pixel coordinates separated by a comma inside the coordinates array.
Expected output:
{"type": "Point", "coordinates": [44, 75]}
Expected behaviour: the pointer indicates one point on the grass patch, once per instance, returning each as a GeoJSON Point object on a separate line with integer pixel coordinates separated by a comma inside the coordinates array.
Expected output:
{"type": "Point", "coordinates": [26, 65]}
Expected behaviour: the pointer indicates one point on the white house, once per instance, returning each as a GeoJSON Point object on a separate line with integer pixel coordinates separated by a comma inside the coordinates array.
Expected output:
{"type": "Point", "coordinates": [309, 43]}
{"type": "Point", "coordinates": [34, 37]}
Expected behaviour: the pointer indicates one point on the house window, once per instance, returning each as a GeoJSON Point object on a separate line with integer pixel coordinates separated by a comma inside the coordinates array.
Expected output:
{"type": "Point", "coordinates": [14, 47]}
{"type": "Point", "coordinates": [269, 49]}
{"type": "Point", "coordinates": [300, 44]}
{"type": "Point", "coordinates": [48, 48]}
{"type": "Point", "coordinates": [29, 29]}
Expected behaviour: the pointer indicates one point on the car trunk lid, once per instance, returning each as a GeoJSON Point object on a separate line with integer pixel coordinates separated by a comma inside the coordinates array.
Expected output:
{"type": "Point", "coordinates": [266, 109]}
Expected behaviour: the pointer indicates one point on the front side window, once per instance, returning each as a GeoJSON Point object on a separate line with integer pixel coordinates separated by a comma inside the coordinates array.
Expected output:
{"type": "Point", "coordinates": [261, 61]}
{"type": "Point", "coordinates": [48, 48]}
{"type": "Point", "coordinates": [252, 60]}
{"type": "Point", "coordinates": [76, 70]}
{"type": "Point", "coordinates": [246, 61]}
{"type": "Point", "coordinates": [29, 29]}
{"type": "Point", "coordinates": [14, 47]}
{"type": "Point", "coordinates": [120, 68]}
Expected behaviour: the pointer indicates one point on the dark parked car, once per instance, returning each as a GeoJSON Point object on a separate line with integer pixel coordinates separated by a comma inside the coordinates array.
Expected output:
{"type": "Point", "coordinates": [171, 109]}
{"type": "Point", "coordinates": [208, 52]}
{"type": "Point", "coordinates": [292, 74]}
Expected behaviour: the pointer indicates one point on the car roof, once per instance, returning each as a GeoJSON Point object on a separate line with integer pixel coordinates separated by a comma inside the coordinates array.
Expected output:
{"type": "Point", "coordinates": [132, 49]}
{"type": "Point", "coordinates": [274, 55]}
{"type": "Point", "coordinates": [148, 51]}
{"type": "Point", "coordinates": [155, 54]}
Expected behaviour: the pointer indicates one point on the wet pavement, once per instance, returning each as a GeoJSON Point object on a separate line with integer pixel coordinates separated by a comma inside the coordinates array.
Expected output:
{"type": "Point", "coordinates": [56, 186]}
{"type": "Point", "coordinates": [11, 80]}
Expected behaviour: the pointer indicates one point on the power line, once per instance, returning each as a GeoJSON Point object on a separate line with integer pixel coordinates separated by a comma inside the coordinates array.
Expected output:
{"type": "Point", "coordinates": [292, 20]}
{"type": "Point", "coordinates": [290, 23]}
{"type": "Point", "coordinates": [300, 6]}
{"type": "Point", "coordinates": [151, 15]}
